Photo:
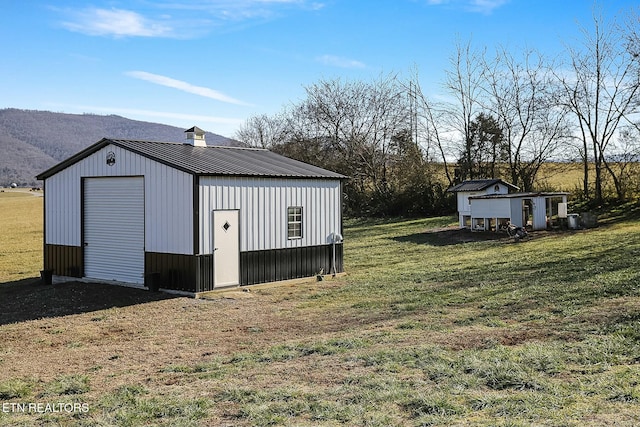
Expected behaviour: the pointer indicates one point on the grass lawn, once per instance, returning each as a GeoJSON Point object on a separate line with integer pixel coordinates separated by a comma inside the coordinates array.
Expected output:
{"type": "Point", "coordinates": [431, 326]}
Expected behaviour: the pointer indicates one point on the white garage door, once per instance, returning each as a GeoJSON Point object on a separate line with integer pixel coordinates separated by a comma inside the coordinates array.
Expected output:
{"type": "Point", "coordinates": [114, 229]}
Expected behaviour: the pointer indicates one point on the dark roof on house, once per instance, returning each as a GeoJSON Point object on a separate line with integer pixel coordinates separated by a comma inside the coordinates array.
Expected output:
{"type": "Point", "coordinates": [479, 185]}
{"type": "Point", "coordinates": [211, 160]}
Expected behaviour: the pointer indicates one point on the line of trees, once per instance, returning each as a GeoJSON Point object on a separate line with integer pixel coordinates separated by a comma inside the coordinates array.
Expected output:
{"type": "Point", "coordinates": [506, 115]}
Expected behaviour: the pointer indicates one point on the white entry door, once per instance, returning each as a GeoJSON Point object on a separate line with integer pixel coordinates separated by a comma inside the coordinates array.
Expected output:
{"type": "Point", "coordinates": [113, 225]}
{"type": "Point", "coordinates": [226, 248]}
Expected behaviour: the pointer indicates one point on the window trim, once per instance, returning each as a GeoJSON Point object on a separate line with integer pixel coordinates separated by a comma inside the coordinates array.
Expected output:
{"type": "Point", "coordinates": [294, 225]}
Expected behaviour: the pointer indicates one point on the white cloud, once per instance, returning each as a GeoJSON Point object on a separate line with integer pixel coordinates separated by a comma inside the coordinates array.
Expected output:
{"type": "Point", "coordinates": [176, 19]}
{"type": "Point", "coordinates": [116, 23]}
{"type": "Point", "coordinates": [477, 6]}
{"type": "Point", "coordinates": [191, 118]}
{"type": "Point", "coordinates": [238, 10]}
{"type": "Point", "coordinates": [184, 86]}
{"type": "Point", "coordinates": [337, 61]}
{"type": "Point", "coordinates": [486, 6]}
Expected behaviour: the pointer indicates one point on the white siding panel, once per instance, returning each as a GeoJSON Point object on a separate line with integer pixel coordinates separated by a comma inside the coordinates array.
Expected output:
{"type": "Point", "coordinates": [263, 204]}
{"type": "Point", "coordinates": [60, 205]}
{"type": "Point", "coordinates": [168, 200]}
{"type": "Point", "coordinates": [490, 208]}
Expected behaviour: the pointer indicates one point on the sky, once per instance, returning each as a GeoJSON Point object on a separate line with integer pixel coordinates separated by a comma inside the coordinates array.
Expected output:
{"type": "Point", "coordinates": [216, 63]}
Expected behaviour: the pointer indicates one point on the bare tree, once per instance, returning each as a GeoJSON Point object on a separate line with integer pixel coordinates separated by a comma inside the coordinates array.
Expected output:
{"type": "Point", "coordinates": [262, 131]}
{"type": "Point", "coordinates": [521, 95]}
{"type": "Point", "coordinates": [624, 162]}
{"type": "Point", "coordinates": [427, 120]}
{"type": "Point", "coordinates": [601, 89]}
{"type": "Point", "coordinates": [464, 83]}
{"type": "Point", "coordinates": [360, 129]}
{"type": "Point", "coordinates": [359, 120]}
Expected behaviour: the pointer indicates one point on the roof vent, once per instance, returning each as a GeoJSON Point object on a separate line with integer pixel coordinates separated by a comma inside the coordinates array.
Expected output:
{"type": "Point", "coordinates": [195, 137]}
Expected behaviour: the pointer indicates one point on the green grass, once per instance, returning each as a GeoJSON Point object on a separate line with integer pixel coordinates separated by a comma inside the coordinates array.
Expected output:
{"type": "Point", "coordinates": [130, 406]}
{"type": "Point", "coordinates": [15, 389]}
{"type": "Point", "coordinates": [544, 344]}
{"type": "Point", "coordinates": [422, 331]}
{"type": "Point", "coordinates": [67, 385]}
{"type": "Point", "coordinates": [552, 275]}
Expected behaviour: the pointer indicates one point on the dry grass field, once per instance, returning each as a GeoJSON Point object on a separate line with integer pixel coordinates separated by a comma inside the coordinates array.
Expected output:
{"type": "Point", "coordinates": [551, 177]}
{"type": "Point", "coordinates": [431, 326]}
{"type": "Point", "coordinates": [21, 238]}
{"type": "Point", "coordinates": [561, 177]}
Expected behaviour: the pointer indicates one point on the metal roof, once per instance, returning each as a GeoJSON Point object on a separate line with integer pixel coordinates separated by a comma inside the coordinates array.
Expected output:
{"type": "Point", "coordinates": [210, 160]}
{"type": "Point", "coordinates": [521, 195]}
{"type": "Point", "coordinates": [195, 129]}
{"type": "Point", "coordinates": [479, 185]}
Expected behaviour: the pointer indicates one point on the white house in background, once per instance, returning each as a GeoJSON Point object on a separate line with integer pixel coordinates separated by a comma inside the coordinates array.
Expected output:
{"type": "Point", "coordinates": [189, 217]}
{"type": "Point", "coordinates": [488, 205]}
{"type": "Point", "coordinates": [476, 187]}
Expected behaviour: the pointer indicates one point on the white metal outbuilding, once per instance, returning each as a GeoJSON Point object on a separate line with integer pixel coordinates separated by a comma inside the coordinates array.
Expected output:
{"type": "Point", "coordinates": [190, 217]}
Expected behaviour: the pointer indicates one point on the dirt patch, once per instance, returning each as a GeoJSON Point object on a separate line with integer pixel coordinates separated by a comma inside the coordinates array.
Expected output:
{"type": "Point", "coordinates": [482, 338]}
{"type": "Point", "coordinates": [29, 299]}
{"type": "Point", "coordinates": [121, 335]}
{"type": "Point", "coordinates": [609, 314]}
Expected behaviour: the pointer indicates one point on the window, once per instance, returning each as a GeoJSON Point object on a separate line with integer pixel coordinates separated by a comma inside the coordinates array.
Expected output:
{"type": "Point", "coordinates": [294, 223]}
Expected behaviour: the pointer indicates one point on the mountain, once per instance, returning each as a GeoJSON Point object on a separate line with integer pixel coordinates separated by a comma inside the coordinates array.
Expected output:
{"type": "Point", "coordinates": [33, 141]}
